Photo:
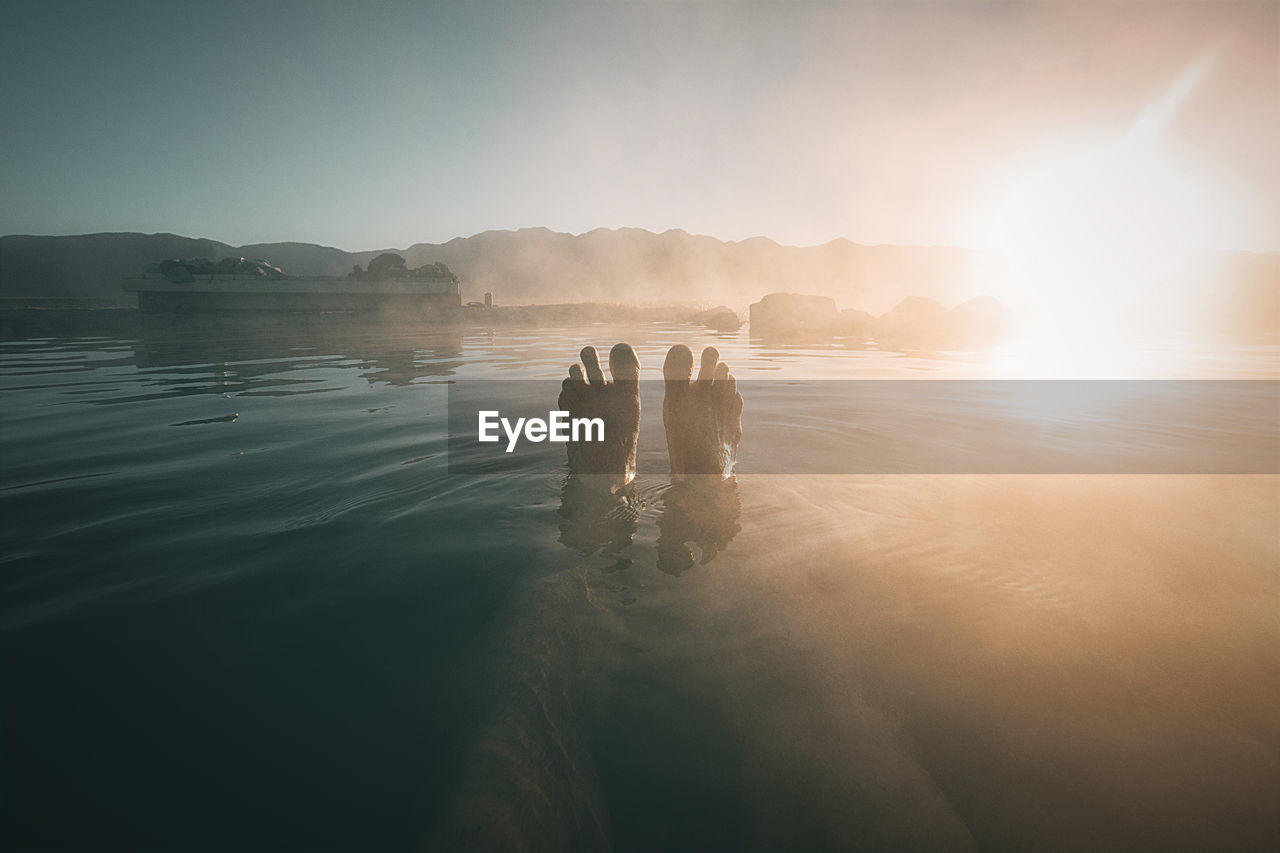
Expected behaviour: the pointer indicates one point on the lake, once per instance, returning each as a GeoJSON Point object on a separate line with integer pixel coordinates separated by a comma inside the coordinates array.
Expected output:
{"type": "Point", "coordinates": [247, 605]}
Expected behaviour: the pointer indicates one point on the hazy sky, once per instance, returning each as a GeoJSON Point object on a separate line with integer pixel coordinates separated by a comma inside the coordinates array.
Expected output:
{"type": "Point", "coordinates": [366, 125]}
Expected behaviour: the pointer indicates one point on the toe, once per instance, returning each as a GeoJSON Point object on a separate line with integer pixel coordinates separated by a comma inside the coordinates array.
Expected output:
{"type": "Point", "coordinates": [679, 364]}
{"type": "Point", "coordinates": [576, 378]}
{"type": "Point", "coordinates": [710, 358]}
{"type": "Point", "coordinates": [722, 373]}
{"type": "Point", "coordinates": [592, 362]}
{"type": "Point", "coordinates": [623, 363]}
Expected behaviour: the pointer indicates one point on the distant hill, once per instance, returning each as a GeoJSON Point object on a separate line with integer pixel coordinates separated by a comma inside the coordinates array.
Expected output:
{"type": "Point", "coordinates": [628, 265]}
{"type": "Point", "coordinates": [533, 265]}
{"type": "Point", "coordinates": [634, 265]}
{"type": "Point", "coordinates": [89, 265]}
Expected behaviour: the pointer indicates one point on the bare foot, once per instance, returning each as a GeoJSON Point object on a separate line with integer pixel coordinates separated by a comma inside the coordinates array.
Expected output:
{"type": "Point", "coordinates": [703, 418]}
{"type": "Point", "coordinates": [610, 464]}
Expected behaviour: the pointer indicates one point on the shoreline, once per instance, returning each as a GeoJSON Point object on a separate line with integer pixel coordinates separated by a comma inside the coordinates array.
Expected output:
{"type": "Point", "coordinates": [27, 317]}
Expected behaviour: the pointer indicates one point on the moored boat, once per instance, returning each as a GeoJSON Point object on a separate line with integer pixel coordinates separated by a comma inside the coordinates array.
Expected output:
{"type": "Point", "coordinates": [189, 287]}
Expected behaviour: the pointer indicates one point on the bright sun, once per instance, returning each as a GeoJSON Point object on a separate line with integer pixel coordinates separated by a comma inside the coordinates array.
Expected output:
{"type": "Point", "coordinates": [1093, 242]}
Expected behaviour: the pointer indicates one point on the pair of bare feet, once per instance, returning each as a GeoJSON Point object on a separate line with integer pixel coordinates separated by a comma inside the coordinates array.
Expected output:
{"type": "Point", "coordinates": [703, 416]}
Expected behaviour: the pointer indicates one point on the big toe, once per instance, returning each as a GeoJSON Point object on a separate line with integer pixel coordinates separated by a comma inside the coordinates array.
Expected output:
{"type": "Point", "coordinates": [623, 363]}
{"type": "Point", "coordinates": [679, 364]}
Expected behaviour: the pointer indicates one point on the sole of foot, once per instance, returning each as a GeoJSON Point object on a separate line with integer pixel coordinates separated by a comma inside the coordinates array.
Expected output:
{"type": "Point", "coordinates": [610, 464]}
{"type": "Point", "coordinates": [703, 416]}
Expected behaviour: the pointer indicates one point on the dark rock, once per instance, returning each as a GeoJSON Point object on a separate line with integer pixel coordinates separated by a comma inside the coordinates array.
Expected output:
{"type": "Point", "coordinates": [720, 318]}
{"type": "Point", "coordinates": [794, 314]}
{"type": "Point", "coordinates": [914, 323]}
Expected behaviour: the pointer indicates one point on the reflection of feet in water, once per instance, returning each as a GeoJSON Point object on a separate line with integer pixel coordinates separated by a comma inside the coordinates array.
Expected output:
{"type": "Point", "coordinates": [703, 421]}
{"type": "Point", "coordinates": [702, 513]}
{"type": "Point", "coordinates": [610, 464]}
{"type": "Point", "coordinates": [595, 523]}
{"type": "Point", "coordinates": [703, 418]}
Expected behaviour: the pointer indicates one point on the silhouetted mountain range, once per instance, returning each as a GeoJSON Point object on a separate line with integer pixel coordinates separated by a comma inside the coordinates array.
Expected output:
{"type": "Point", "coordinates": [534, 265]}
{"type": "Point", "coordinates": [627, 265]}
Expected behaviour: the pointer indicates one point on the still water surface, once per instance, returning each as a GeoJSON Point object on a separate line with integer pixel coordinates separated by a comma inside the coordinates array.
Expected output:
{"type": "Point", "coordinates": [245, 605]}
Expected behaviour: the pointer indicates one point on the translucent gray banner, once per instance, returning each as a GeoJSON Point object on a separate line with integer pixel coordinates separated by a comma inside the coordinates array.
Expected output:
{"type": "Point", "coordinates": [925, 427]}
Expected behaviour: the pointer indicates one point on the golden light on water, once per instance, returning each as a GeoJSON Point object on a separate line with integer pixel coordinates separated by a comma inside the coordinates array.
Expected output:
{"type": "Point", "coordinates": [1083, 352]}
